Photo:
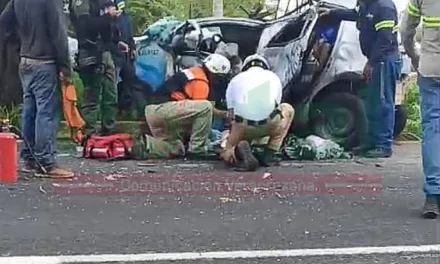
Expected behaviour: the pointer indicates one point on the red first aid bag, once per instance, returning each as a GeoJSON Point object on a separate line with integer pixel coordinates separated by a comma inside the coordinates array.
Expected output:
{"type": "Point", "coordinates": [116, 146]}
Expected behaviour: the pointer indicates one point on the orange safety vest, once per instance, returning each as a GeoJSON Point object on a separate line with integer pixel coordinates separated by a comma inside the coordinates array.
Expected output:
{"type": "Point", "coordinates": [197, 87]}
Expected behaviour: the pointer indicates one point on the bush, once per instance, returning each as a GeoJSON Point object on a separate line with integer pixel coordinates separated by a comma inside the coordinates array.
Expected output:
{"type": "Point", "coordinates": [412, 102]}
{"type": "Point", "coordinates": [12, 113]}
{"type": "Point", "coordinates": [79, 89]}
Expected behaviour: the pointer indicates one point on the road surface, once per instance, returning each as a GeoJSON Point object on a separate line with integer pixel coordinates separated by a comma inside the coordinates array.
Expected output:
{"type": "Point", "coordinates": [42, 223]}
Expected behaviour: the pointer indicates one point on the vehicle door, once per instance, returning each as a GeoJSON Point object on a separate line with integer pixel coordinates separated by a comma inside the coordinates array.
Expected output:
{"type": "Point", "coordinates": [285, 42]}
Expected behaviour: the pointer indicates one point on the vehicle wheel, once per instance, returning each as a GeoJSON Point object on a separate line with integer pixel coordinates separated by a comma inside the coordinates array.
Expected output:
{"type": "Point", "coordinates": [401, 116]}
{"type": "Point", "coordinates": [340, 117]}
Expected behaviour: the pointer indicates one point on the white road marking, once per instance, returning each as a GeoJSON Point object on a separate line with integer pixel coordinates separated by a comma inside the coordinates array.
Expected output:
{"type": "Point", "coordinates": [252, 254]}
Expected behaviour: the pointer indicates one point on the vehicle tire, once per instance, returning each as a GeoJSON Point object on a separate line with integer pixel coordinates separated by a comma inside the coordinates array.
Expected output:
{"type": "Point", "coordinates": [340, 117]}
{"type": "Point", "coordinates": [401, 116]}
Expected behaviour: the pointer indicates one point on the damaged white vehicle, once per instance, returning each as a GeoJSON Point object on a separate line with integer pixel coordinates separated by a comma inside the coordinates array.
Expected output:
{"type": "Point", "coordinates": [321, 72]}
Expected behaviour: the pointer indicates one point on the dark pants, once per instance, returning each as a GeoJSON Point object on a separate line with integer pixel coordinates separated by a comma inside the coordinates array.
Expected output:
{"type": "Point", "coordinates": [39, 82]}
{"type": "Point", "coordinates": [100, 97]}
{"type": "Point", "coordinates": [380, 102]}
{"type": "Point", "coordinates": [133, 94]}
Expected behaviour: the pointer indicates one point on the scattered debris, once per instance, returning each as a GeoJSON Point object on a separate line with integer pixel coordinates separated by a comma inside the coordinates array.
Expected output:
{"type": "Point", "coordinates": [188, 165]}
{"type": "Point", "coordinates": [140, 164]}
{"type": "Point", "coordinates": [228, 200]}
{"type": "Point", "coordinates": [277, 194]}
{"type": "Point", "coordinates": [267, 175]}
{"type": "Point", "coordinates": [42, 190]}
{"type": "Point", "coordinates": [259, 189]}
{"type": "Point", "coordinates": [377, 165]}
{"type": "Point", "coordinates": [114, 177]}
{"type": "Point", "coordinates": [360, 162]}
{"type": "Point", "coordinates": [291, 164]}
{"type": "Point", "coordinates": [63, 155]}
{"type": "Point", "coordinates": [110, 178]}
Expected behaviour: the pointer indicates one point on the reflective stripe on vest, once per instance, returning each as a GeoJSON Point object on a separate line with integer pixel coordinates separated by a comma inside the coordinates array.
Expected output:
{"type": "Point", "coordinates": [385, 24]}
{"type": "Point", "coordinates": [121, 5]}
{"type": "Point", "coordinates": [189, 75]}
{"type": "Point", "coordinates": [413, 10]}
{"type": "Point", "coordinates": [431, 22]}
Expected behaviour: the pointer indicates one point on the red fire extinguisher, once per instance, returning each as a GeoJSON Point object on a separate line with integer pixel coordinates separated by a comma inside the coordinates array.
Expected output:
{"type": "Point", "coordinates": [8, 154]}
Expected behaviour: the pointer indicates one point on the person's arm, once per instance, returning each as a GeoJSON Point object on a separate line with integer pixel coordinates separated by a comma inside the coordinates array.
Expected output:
{"type": "Point", "coordinates": [410, 22]}
{"type": "Point", "coordinates": [7, 19]}
{"type": "Point", "coordinates": [346, 14]}
{"type": "Point", "coordinates": [219, 114]}
{"type": "Point", "coordinates": [58, 35]}
{"type": "Point", "coordinates": [386, 28]}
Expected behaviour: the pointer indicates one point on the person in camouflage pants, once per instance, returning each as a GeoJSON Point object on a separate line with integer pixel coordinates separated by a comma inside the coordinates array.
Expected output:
{"type": "Point", "coordinates": [100, 93]}
{"type": "Point", "coordinates": [97, 34]}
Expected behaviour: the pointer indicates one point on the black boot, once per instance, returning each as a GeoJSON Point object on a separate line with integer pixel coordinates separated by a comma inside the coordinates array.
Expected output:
{"type": "Point", "coordinates": [361, 149]}
{"type": "Point", "coordinates": [378, 153]}
{"type": "Point", "coordinates": [269, 158]}
{"type": "Point", "coordinates": [431, 208]}
{"type": "Point", "coordinates": [245, 159]}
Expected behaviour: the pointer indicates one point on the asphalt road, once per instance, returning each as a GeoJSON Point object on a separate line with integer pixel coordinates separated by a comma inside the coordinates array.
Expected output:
{"type": "Point", "coordinates": [37, 217]}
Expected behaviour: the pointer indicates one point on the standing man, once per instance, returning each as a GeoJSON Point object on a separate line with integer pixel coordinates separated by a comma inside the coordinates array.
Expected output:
{"type": "Point", "coordinates": [44, 58]}
{"type": "Point", "coordinates": [97, 33]}
{"type": "Point", "coordinates": [377, 22]}
{"type": "Point", "coordinates": [429, 83]}
{"type": "Point", "coordinates": [125, 56]}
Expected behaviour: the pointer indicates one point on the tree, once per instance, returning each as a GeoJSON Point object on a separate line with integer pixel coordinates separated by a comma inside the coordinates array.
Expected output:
{"type": "Point", "coordinates": [144, 13]}
{"type": "Point", "coordinates": [10, 86]}
{"type": "Point", "coordinates": [217, 8]}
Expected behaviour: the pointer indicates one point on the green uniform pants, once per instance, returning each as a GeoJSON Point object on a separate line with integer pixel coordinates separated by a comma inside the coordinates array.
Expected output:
{"type": "Point", "coordinates": [100, 97]}
{"type": "Point", "coordinates": [173, 122]}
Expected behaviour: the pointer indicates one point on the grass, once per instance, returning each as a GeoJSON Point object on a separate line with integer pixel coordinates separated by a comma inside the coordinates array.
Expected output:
{"type": "Point", "coordinates": [12, 113]}
{"type": "Point", "coordinates": [413, 126]}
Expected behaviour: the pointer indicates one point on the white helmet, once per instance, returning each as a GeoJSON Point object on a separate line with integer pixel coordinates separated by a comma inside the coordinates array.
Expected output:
{"type": "Point", "coordinates": [217, 64]}
{"type": "Point", "coordinates": [255, 60]}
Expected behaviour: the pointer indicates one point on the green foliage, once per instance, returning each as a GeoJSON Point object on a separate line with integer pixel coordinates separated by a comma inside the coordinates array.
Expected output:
{"type": "Point", "coordinates": [79, 88]}
{"type": "Point", "coordinates": [412, 102]}
{"type": "Point", "coordinates": [144, 13]}
{"type": "Point", "coordinates": [12, 113]}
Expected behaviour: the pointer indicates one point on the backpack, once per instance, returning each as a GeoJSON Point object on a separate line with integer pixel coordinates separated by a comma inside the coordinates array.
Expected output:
{"type": "Point", "coordinates": [112, 147]}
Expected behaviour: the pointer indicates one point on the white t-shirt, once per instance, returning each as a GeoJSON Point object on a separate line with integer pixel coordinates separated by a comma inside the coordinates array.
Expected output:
{"type": "Point", "coordinates": [253, 94]}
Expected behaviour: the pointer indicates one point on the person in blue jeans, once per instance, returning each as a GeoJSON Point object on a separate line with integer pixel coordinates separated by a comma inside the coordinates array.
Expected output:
{"type": "Point", "coordinates": [377, 22]}
{"type": "Point", "coordinates": [44, 57]}
{"type": "Point", "coordinates": [427, 12]}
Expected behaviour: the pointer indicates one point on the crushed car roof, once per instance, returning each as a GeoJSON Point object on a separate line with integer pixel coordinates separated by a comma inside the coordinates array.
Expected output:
{"type": "Point", "coordinates": [232, 20]}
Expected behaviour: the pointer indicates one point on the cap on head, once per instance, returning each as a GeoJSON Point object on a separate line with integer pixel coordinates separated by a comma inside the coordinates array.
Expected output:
{"type": "Point", "coordinates": [255, 61]}
{"type": "Point", "coordinates": [217, 64]}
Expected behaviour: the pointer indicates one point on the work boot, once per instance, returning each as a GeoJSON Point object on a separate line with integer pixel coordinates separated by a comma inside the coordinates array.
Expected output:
{"type": "Point", "coordinates": [29, 167]}
{"type": "Point", "coordinates": [269, 158]}
{"type": "Point", "coordinates": [245, 159]}
{"type": "Point", "coordinates": [377, 153]}
{"type": "Point", "coordinates": [361, 149]}
{"type": "Point", "coordinates": [55, 173]}
{"type": "Point", "coordinates": [139, 149]}
{"type": "Point", "coordinates": [431, 208]}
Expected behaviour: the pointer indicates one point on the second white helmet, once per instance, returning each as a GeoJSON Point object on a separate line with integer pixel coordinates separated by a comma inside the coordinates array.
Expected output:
{"type": "Point", "coordinates": [255, 60]}
{"type": "Point", "coordinates": [217, 64]}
